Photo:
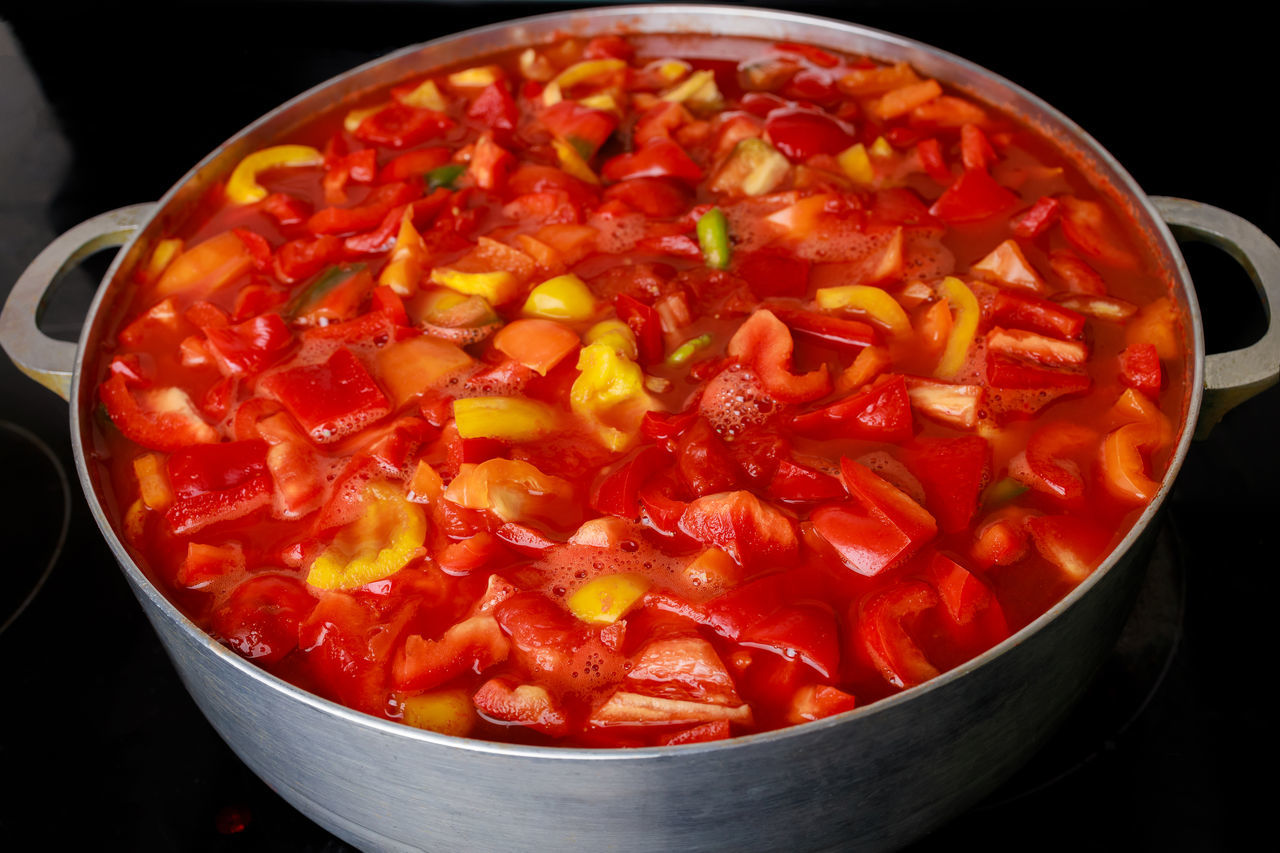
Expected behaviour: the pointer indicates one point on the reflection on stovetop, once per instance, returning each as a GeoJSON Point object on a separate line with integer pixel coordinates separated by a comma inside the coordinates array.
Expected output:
{"type": "Point", "coordinates": [102, 745]}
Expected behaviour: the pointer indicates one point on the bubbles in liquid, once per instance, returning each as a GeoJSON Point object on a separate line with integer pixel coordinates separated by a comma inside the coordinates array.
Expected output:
{"type": "Point", "coordinates": [735, 400]}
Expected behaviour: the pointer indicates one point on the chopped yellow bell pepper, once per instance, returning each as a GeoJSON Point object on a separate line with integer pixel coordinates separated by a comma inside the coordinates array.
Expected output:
{"type": "Point", "coordinates": [381, 542]}
{"type": "Point", "coordinates": [512, 489]}
{"type": "Point", "coordinates": [448, 712]}
{"type": "Point", "coordinates": [876, 302]}
{"type": "Point", "coordinates": [754, 168]}
{"type": "Point", "coordinates": [243, 186]}
{"type": "Point", "coordinates": [504, 418]}
{"type": "Point", "coordinates": [571, 162]}
{"type": "Point", "coordinates": [607, 599]}
{"type": "Point", "coordinates": [583, 71]}
{"type": "Point", "coordinates": [496, 287]}
{"type": "Point", "coordinates": [161, 256]}
{"type": "Point", "coordinates": [610, 395]}
{"type": "Point", "coordinates": [672, 70]}
{"type": "Point", "coordinates": [535, 66]}
{"type": "Point", "coordinates": [616, 334]}
{"type": "Point", "coordinates": [881, 147]}
{"type": "Point", "coordinates": [966, 312]}
{"type": "Point", "coordinates": [565, 297]}
{"type": "Point", "coordinates": [425, 96]}
{"type": "Point", "coordinates": [408, 258]}
{"type": "Point", "coordinates": [698, 90]}
{"type": "Point", "coordinates": [475, 78]}
{"type": "Point", "coordinates": [603, 101]}
{"type": "Point", "coordinates": [153, 481]}
{"type": "Point", "coordinates": [856, 163]}
{"type": "Point", "coordinates": [356, 117]}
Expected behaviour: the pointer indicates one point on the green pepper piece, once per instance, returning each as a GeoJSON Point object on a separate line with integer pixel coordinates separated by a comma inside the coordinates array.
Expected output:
{"type": "Point", "coordinates": [1002, 491]}
{"type": "Point", "coordinates": [312, 294]}
{"type": "Point", "coordinates": [688, 349]}
{"type": "Point", "coordinates": [713, 238]}
{"type": "Point", "coordinates": [444, 176]}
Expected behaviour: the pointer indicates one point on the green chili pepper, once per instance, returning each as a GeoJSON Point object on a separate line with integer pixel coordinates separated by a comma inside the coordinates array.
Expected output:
{"type": "Point", "coordinates": [444, 176]}
{"type": "Point", "coordinates": [1002, 491]}
{"type": "Point", "coordinates": [713, 238]}
{"type": "Point", "coordinates": [686, 350]}
{"type": "Point", "coordinates": [325, 283]}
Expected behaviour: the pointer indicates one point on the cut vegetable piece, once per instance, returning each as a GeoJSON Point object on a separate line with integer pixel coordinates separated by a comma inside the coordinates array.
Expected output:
{"type": "Point", "coordinates": [738, 523]}
{"type": "Point", "coordinates": [330, 400]}
{"type": "Point", "coordinates": [884, 638]}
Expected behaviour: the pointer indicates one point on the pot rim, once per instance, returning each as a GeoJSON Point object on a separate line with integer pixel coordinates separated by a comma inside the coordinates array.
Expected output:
{"type": "Point", "coordinates": [1110, 176]}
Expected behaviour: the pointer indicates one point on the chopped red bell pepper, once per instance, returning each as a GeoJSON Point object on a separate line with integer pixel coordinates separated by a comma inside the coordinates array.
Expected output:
{"type": "Point", "coordinates": [764, 343]}
{"type": "Point", "coordinates": [800, 133]}
{"type": "Point", "coordinates": [490, 163]}
{"type": "Point", "coordinates": [953, 472]}
{"type": "Point", "coordinates": [970, 611]}
{"type": "Point", "coordinates": [975, 151]}
{"type": "Point", "coordinates": [1084, 224]}
{"type": "Point", "coordinates": [495, 108]}
{"type": "Point", "coordinates": [1054, 457]}
{"type": "Point", "coordinates": [618, 492]}
{"type": "Point", "coordinates": [215, 467]}
{"type": "Point", "coordinates": [838, 332]}
{"type": "Point", "coordinates": [704, 462]}
{"type": "Point", "coordinates": [660, 196]}
{"type": "Point", "coordinates": [306, 256]}
{"type": "Point", "coordinates": [402, 126]}
{"type": "Point", "coordinates": [191, 514]}
{"type": "Point", "coordinates": [260, 617]}
{"type": "Point", "coordinates": [330, 400]}
{"type": "Point", "coordinates": [882, 636]}
{"type": "Point", "coordinates": [644, 322]}
{"type": "Point", "coordinates": [974, 196]}
{"type": "Point", "coordinates": [521, 705]}
{"type": "Point", "coordinates": [168, 420]}
{"type": "Point", "coordinates": [799, 631]}
{"type": "Point", "coordinates": [583, 128]}
{"type": "Point", "coordinates": [1140, 369]}
{"type": "Point", "coordinates": [930, 151]}
{"type": "Point", "coordinates": [796, 482]}
{"type": "Point", "coordinates": [874, 492]}
{"type": "Point", "coordinates": [1006, 372]}
{"type": "Point", "coordinates": [250, 346]}
{"type": "Point", "coordinates": [754, 533]}
{"type": "Point", "coordinates": [414, 164]}
{"type": "Point", "coordinates": [369, 214]}
{"type": "Point", "coordinates": [286, 209]}
{"type": "Point", "coordinates": [474, 644]}
{"type": "Point", "coordinates": [656, 159]}
{"type": "Point", "coordinates": [735, 612]}
{"type": "Point", "coordinates": [1036, 219]}
{"type": "Point", "coordinates": [880, 413]}
{"type": "Point", "coordinates": [1022, 310]}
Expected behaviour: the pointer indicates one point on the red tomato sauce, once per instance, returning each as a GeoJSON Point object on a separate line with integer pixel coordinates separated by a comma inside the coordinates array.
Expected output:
{"type": "Point", "coordinates": [638, 391]}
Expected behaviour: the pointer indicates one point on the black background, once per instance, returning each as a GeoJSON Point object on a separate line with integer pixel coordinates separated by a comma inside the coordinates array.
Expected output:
{"type": "Point", "coordinates": [99, 744]}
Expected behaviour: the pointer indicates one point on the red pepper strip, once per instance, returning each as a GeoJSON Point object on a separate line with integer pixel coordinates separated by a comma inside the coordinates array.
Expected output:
{"type": "Point", "coordinates": [970, 611]}
{"type": "Point", "coordinates": [796, 482]}
{"type": "Point", "coordinates": [755, 533]}
{"type": "Point", "coordinates": [304, 257]}
{"type": "Point", "coordinates": [644, 322]}
{"type": "Point", "coordinates": [663, 428]}
{"type": "Point", "coordinates": [370, 214]}
{"type": "Point", "coordinates": [1039, 315]}
{"type": "Point", "coordinates": [259, 248]}
{"type": "Point", "coordinates": [975, 151]}
{"type": "Point", "coordinates": [662, 157]}
{"type": "Point", "coordinates": [524, 539]}
{"type": "Point", "coordinates": [1084, 224]}
{"type": "Point", "coordinates": [285, 209]}
{"type": "Point", "coordinates": [402, 126]}
{"type": "Point", "coordinates": [704, 462]}
{"type": "Point", "coordinates": [330, 400]}
{"type": "Point", "coordinates": [1122, 464]}
{"type": "Point", "coordinates": [930, 151]}
{"type": "Point", "coordinates": [618, 493]}
{"type": "Point", "coordinates": [1074, 544]}
{"type": "Point", "coordinates": [474, 644]}
{"type": "Point", "coordinates": [880, 413]}
{"type": "Point", "coordinates": [804, 631]}
{"type": "Point", "coordinates": [215, 467]}
{"type": "Point", "coordinates": [379, 239]}
{"type": "Point", "coordinates": [816, 55]}
{"type": "Point", "coordinates": [130, 367]}
{"type": "Point", "coordinates": [414, 164]}
{"type": "Point", "coordinates": [387, 301]}
{"type": "Point", "coordinates": [844, 334]}
{"type": "Point", "coordinates": [660, 197]}
{"type": "Point", "coordinates": [953, 472]}
{"type": "Point", "coordinates": [372, 327]}
{"type": "Point", "coordinates": [1051, 462]}
{"type": "Point", "coordinates": [495, 108]}
{"type": "Point", "coordinates": [737, 611]}
{"type": "Point", "coordinates": [886, 642]}
{"type": "Point", "coordinates": [255, 299]}
{"type": "Point", "coordinates": [170, 424]}
{"type": "Point", "coordinates": [500, 699]}
{"type": "Point", "coordinates": [865, 539]}
{"type": "Point", "coordinates": [764, 343]}
{"type": "Point", "coordinates": [583, 128]}
{"type": "Point", "coordinates": [191, 514]}
{"type": "Point", "coordinates": [974, 196]}
{"type": "Point", "coordinates": [1036, 219]}
{"type": "Point", "coordinates": [705, 733]}
{"type": "Point", "coordinates": [1006, 372]}
{"type": "Point", "coordinates": [876, 493]}
{"type": "Point", "coordinates": [800, 134]}
{"type": "Point", "coordinates": [1140, 369]}
{"type": "Point", "coordinates": [252, 345]}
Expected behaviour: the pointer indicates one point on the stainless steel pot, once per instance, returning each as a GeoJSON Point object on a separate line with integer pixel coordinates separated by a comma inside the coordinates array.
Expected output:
{"type": "Point", "coordinates": [876, 777]}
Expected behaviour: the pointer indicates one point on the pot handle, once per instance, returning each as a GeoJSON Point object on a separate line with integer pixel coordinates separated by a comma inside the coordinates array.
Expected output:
{"type": "Point", "coordinates": [47, 360]}
{"type": "Point", "coordinates": [1230, 378]}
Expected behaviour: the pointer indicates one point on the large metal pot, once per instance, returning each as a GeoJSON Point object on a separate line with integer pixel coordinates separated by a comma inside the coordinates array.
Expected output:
{"type": "Point", "coordinates": [876, 777]}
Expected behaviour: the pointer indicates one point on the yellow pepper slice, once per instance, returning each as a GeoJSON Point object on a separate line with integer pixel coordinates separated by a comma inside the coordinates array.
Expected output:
{"type": "Point", "coordinates": [425, 96]}
{"type": "Point", "coordinates": [698, 89]}
{"type": "Point", "coordinates": [512, 489]}
{"type": "Point", "coordinates": [381, 542]}
{"type": "Point", "coordinates": [616, 334]}
{"type": "Point", "coordinates": [610, 395]}
{"type": "Point", "coordinates": [571, 162]}
{"type": "Point", "coordinates": [153, 481]}
{"type": "Point", "coordinates": [243, 186]}
{"type": "Point", "coordinates": [607, 599]}
{"type": "Point", "coordinates": [565, 297]}
{"type": "Point", "coordinates": [475, 78]}
{"type": "Point", "coordinates": [581, 72]}
{"type": "Point", "coordinates": [875, 301]}
{"type": "Point", "coordinates": [966, 312]}
{"type": "Point", "coordinates": [404, 270]}
{"type": "Point", "coordinates": [448, 712]}
{"type": "Point", "coordinates": [356, 117]}
{"type": "Point", "coordinates": [504, 418]}
{"type": "Point", "coordinates": [496, 287]}
{"type": "Point", "coordinates": [856, 163]}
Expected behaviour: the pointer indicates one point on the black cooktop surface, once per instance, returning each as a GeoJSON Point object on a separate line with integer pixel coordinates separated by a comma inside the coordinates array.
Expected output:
{"type": "Point", "coordinates": [108, 105]}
